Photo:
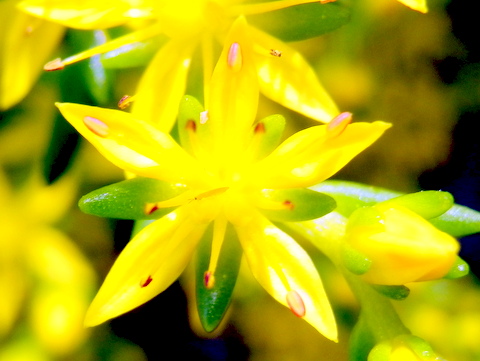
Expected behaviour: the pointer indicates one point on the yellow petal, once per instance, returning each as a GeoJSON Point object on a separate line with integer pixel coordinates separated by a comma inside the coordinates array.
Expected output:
{"type": "Point", "coordinates": [419, 5]}
{"type": "Point", "coordinates": [150, 262]}
{"type": "Point", "coordinates": [163, 84]}
{"type": "Point", "coordinates": [286, 271]}
{"type": "Point", "coordinates": [87, 14]}
{"type": "Point", "coordinates": [290, 80]}
{"type": "Point", "coordinates": [133, 145]}
{"type": "Point", "coordinates": [233, 96]}
{"type": "Point", "coordinates": [25, 44]}
{"type": "Point", "coordinates": [313, 155]}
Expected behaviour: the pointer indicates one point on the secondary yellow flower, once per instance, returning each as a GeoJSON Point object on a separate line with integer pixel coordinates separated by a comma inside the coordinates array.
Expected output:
{"type": "Point", "coordinates": [403, 348]}
{"type": "Point", "coordinates": [26, 42]}
{"type": "Point", "coordinates": [229, 179]}
{"type": "Point", "coordinates": [402, 246]}
{"type": "Point", "coordinates": [45, 281]}
{"type": "Point", "coordinates": [283, 73]}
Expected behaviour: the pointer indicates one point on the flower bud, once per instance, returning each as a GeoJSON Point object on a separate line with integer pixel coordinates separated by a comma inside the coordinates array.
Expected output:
{"type": "Point", "coordinates": [402, 246]}
{"type": "Point", "coordinates": [403, 348]}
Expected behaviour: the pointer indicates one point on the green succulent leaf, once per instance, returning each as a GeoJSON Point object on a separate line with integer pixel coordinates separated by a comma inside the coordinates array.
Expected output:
{"type": "Point", "coordinates": [302, 21]}
{"type": "Point", "coordinates": [361, 340]}
{"type": "Point", "coordinates": [428, 204]}
{"type": "Point", "coordinates": [397, 293]}
{"type": "Point", "coordinates": [213, 302]}
{"type": "Point", "coordinates": [294, 205]}
{"type": "Point", "coordinates": [130, 199]}
{"type": "Point", "coordinates": [354, 261]}
{"type": "Point", "coordinates": [458, 221]}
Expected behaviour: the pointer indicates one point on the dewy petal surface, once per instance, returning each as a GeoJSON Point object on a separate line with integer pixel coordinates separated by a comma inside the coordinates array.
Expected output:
{"type": "Point", "coordinates": [290, 80]}
{"type": "Point", "coordinates": [280, 265]}
{"type": "Point", "coordinates": [134, 145]}
{"type": "Point", "coordinates": [150, 262]}
{"type": "Point", "coordinates": [311, 155]}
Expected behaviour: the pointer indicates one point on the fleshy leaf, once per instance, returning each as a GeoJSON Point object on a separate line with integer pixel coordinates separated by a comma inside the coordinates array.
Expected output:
{"type": "Point", "coordinates": [301, 22]}
{"type": "Point", "coordinates": [354, 261]}
{"type": "Point", "coordinates": [130, 199]}
{"type": "Point", "coordinates": [458, 221]}
{"type": "Point", "coordinates": [428, 204]}
{"type": "Point", "coordinates": [397, 293]}
{"type": "Point", "coordinates": [212, 303]}
{"type": "Point", "coordinates": [294, 205]}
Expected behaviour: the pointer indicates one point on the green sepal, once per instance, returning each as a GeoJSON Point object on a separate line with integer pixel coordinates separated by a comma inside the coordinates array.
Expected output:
{"type": "Point", "coordinates": [295, 205]}
{"type": "Point", "coordinates": [428, 204]}
{"type": "Point", "coordinates": [134, 54]}
{"type": "Point", "coordinates": [458, 221]}
{"type": "Point", "coordinates": [212, 304]}
{"type": "Point", "coordinates": [189, 110]}
{"type": "Point", "coordinates": [459, 269]}
{"type": "Point", "coordinates": [354, 261]}
{"type": "Point", "coordinates": [128, 199]}
{"type": "Point", "coordinates": [394, 292]}
{"type": "Point", "coordinates": [301, 22]}
{"type": "Point", "coordinates": [272, 128]}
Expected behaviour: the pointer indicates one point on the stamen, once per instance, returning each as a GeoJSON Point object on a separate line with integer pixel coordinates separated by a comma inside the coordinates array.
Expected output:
{"type": "Point", "coordinates": [276, 53]}
{"type": "Point", "coordinates": [125, 101]}
{"type": "Point", "coordinates": [146, 282]}
{"type": "Point", "coordinates": [96, 126]}
{"type": "Point", "coordinates": [191, 125]}
{"type": "Point", "coordinates": [234, 58]}
{"type": "Point", "coordinates": [295, 302]}
{"type": "Point", "coordinates": [259, 128]}
{"type": "Point", "coordinates": [56, 64]}
{"type": "Point", "coordinates": [150, 208]}
{"type": "Point", "coordinates": [338, 124]}
{"type": "Point", "coordinates": [289, 204]}
{"type": "Point", "coordinates": [209, 280]}
{"type": "Point", "coordinates": [211, 193]}
{"type": "Point", "coordinates": [204, 117]}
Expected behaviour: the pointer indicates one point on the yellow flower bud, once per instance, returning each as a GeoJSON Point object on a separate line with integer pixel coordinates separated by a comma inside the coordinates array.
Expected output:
{"type": "Point", "coordinates": [402, 246]}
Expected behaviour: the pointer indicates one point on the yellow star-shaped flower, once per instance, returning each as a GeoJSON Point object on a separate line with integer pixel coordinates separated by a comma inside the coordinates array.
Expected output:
{"type": "Point", "coordinates": [229, 179]}
{"type": "Point", "coordinates": [284, 75]}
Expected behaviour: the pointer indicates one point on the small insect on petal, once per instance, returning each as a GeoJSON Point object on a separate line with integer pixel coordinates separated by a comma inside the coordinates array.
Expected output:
{"type": "Point", "coordinates": [96, 126]}
{"type": "Point", "coordinates": [234, 58]}
{"type": "Point", "coordinates": [56, 64]}
{"type": "Point", "coordinates": [146, 282]}
{"type": "Point", "coordinates": [275, 52]}
{"type": "Point", "coordinates": [209, 280]}
{"type": "Point", "coordinates": [125, 101]}
{"type": "Point", "coordinates": [338, 124]}
{"type": "Point", "coordinates": [295, 302]}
